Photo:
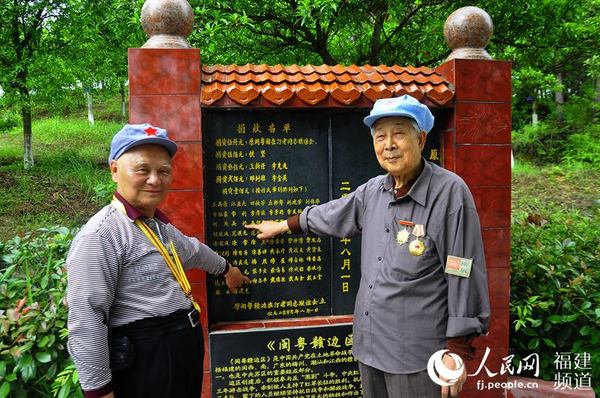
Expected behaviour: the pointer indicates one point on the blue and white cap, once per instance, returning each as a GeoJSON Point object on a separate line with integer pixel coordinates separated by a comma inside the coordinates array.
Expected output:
{"type": "Point", "coordinates": [132, 135]}
{"type": "Point", "coordinates": [404, 106]}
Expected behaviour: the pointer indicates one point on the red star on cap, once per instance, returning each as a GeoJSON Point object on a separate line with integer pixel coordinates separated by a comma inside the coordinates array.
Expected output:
{"type": "Point", "coordinates": [150, 131]}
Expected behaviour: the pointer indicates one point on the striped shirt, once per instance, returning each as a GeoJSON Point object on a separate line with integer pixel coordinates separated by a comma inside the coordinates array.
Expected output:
{"type": "Point", "coordinates": [115, 277]}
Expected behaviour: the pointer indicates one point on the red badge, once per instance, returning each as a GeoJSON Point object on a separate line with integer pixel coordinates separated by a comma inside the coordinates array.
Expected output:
{"type": "Point", "coordinates": [150, 131]}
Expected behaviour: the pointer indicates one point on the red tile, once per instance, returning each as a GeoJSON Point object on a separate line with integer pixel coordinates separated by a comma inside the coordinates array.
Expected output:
{"type": "Point", "coordinates": [498, 331]}
{"type": "Point", "coordinates": [186, 211]}
{"type": "Point", "coordinates": [497, 247]}
{"type": "Point", "coordinates": [339, 84]}
{"type": "Point", "coordinates": [525, 387]}
{"type": "Point", "coordinates": [446, 70]}
{"type": "Point", "coordinates": [345, 93]}
{"type": "Point", "coordinates": [204, 323]}
{"type": "Point", "coordinates": [212, 92]}
{"type": "Point", "coordinates": [376, 91]}
{"type": "Point", "coordinates": [243, 93]}
{"type": "Point", "coordinates": [196, 276]}
{"type": "Point", "coordinates": [340, 319]}
{"type": "Point", "coordinates": [448, 150]}
{"type": "Point", "coordinates": [187, 166]}
{"type": "Point", "coordinates": [199, 293]}
{"type": "Point", "coordinates": [277, 93]}
{"type": "Point", "coordinates": [446, 121]}
{"type": "Point", "coordinates": [470, 391]}
{"type": "Point", "coordinates": [312, 94]}
{"type": "Point", "coordinates": [440, 94]}
{"type": "Point", "coordinates": [287, 323]}
{"type": "Point", "coordinates": [483, 123]}
{"type": "Point", "coordinates": [206, 381]}
{"type": "Point", "coordinates": [493, 206]}
{"type": "Point", "coordinates": [179, 114]}
{"type": "Point", "coordinates": [484, 165]}
{"type": "Point", "coordinates": [237, 326]}
{"type": "Point", "coordinates": [480, 80]}
{"type": "Point", "coordinates": [164, 71]}
{"type": "Point", "coordinates": [499, 287]}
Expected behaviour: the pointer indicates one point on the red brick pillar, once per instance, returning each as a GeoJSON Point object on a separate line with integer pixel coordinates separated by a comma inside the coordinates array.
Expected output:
{"type": "Point", "coordinates": [164, 88]}
{"type": "Point", "coordinates": [476, 146]}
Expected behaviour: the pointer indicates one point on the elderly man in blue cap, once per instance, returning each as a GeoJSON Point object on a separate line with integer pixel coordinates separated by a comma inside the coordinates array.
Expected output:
{"type": "Point", "coordinates": [423, 289]}
{"type": "Point", "coordinates": [133, 323]}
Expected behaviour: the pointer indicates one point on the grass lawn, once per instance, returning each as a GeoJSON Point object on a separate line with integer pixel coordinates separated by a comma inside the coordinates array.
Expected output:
{"type": "Point", "coordinates": [70, 163]}
{"type": "Point", "coordinates": [70, 169]}
{"type": "Point", "coordinates": [535, 188]}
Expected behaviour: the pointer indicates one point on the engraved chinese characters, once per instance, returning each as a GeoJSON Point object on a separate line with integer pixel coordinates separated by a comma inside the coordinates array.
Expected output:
{"type": "Point", "coordinates": [267, 165]}
{"type": "Point", "coordinates": [300, 362]}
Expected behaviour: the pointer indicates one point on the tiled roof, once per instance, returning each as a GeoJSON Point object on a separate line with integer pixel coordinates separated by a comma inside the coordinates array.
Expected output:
{"type": "Point", "coordinates": [319, 85]}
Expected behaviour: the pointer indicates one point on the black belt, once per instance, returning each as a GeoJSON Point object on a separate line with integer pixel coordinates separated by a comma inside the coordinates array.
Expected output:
{"type": "Point", "coordinates": [159, 326]}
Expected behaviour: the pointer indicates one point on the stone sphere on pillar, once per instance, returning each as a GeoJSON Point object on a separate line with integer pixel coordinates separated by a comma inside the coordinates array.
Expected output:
{"type": "Point", "coordinates": [167, 23]}
{"type": "Point", "coordinates": [467, 31]}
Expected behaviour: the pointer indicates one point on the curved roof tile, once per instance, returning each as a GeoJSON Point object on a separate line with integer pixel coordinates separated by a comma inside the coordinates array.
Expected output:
{"type": "Point", "coordinates": [311, 85]}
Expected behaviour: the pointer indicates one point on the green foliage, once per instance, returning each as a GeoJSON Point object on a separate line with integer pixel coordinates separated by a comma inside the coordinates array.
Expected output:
{"type": "Point", "coordinates": [555, 287]}
{"type": "Point", "coordinates": [584, 148]}
{"type": "Point", "coordinates": [541, 142]}
{"type": "Point", "coordinates": [569, 134]}
{"type": "Point", "coordinates": [9, 116]}
{"type": "Point", "coordinates": [66, 383]}
{"type": "Point", "coordinates": [33, 312]}
{"type": "Point", "coordinates": [103, 192]}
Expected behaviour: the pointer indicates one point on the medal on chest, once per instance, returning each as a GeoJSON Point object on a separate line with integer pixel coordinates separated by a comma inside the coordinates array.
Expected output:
{"type": "Point", "coordinates": [403, 235]}
{"type": "Point", "coordinates": [416, 247]}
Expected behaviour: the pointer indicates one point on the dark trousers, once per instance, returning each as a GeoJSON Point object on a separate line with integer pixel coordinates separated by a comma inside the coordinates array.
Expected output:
{"type": "Point", "coordinates": [166, 363]}
{"type": "Point", "coordinates": [379, 384]}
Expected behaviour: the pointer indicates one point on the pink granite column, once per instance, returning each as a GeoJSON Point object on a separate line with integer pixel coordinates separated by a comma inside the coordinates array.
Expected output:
{"type": "Point", "coordinates": [164, 90]}
{"type": "Point", "coordinates": [477, 146]}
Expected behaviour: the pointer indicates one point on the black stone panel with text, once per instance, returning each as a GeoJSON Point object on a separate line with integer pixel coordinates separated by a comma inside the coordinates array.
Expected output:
{"type": "Point", "coordinates": [266, 165]}
{"type": "Point", "coordinates": [300, 362]}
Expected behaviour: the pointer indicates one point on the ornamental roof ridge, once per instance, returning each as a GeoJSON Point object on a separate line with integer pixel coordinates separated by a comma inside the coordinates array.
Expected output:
{"type": "Point", "coordinates": [262, 85]}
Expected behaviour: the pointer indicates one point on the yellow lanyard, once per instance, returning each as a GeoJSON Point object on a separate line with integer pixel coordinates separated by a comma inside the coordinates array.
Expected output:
{"type": "Point", "coordinates": [173, 262]}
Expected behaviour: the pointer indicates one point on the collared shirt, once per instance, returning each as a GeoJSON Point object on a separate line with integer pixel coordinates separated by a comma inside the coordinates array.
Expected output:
{"type": "Point", "coordinates": [407, 306]}
{"type": "Point", "coordinates": [117, 276]}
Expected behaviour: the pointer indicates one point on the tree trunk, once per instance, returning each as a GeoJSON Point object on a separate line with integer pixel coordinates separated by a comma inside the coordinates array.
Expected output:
{"type": "Point", "coordinates": [90, 107]}
{"type": "Point", "coordinates": [27, 134]}
{"type": "Point", "coordinates": [123, 102]}
{"type": "Point", "coordinates": [598, 90]}
{"type": "Point", "coordinates": [534, 115]}
{"type": "Point", "coordinates": [559, 96]}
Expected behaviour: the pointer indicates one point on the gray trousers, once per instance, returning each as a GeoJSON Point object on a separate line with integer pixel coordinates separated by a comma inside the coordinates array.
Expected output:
{"type": "Point", "coordinates": [379, 384]}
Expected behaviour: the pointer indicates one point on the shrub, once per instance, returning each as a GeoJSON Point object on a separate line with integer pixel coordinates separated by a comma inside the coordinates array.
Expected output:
{"type": "Point", "coordinates": [9, 119]}
{"type": "Point", "coordinates": [542, 142]}
{"type": "Point", "coordinates": [33, 313]}
{"type": "Point", "coordinates": [584, 147]}
{"type": "Point", "coordinates": [555, 288]}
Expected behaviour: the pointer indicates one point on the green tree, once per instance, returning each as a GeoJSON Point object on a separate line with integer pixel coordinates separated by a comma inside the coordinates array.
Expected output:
{"type": "Point", "coordinates": [56, 48]}
{"type": "Point", "coordinates": [33, 31]}
{"type": "Point", "coordinates": [323, 31]}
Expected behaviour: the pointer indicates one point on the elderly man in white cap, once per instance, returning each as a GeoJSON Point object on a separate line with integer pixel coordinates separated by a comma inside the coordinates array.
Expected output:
{"type": "Point", "coordinates": [133, 324]}
{"type": "Point", "coordinates": [423, 284]}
